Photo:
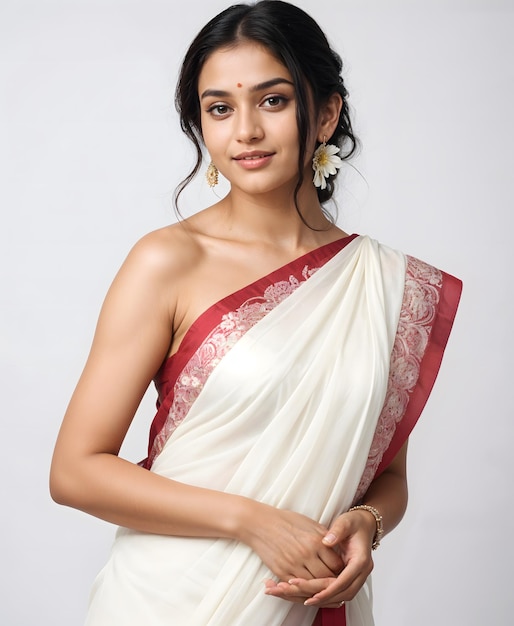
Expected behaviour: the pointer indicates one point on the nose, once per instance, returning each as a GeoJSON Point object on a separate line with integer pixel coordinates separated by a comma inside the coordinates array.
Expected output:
{"type": "Point", "coordinates": [248, 125]}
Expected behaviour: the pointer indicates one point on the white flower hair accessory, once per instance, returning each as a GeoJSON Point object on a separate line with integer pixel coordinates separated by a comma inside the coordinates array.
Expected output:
{"type": "Point", "coordinates": [325, 163]}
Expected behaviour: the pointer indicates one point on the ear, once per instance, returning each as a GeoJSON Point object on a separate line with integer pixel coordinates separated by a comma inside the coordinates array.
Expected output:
{"type": "Point", "coordinates": [328, 117]}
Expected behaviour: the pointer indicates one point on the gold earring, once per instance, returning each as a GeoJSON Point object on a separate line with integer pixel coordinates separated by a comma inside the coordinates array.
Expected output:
{"type": "Point", "coordinates": [211, 175]}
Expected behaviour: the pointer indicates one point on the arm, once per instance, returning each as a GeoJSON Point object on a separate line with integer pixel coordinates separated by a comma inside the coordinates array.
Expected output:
{"type": "Point", "coordinates": [353, 533]}
{"type": "Point", "coordinates": [132, 339]}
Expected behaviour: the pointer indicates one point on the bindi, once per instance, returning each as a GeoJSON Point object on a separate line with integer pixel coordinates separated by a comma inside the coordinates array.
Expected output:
{"type": "Point", "coordinates": [239, 85]}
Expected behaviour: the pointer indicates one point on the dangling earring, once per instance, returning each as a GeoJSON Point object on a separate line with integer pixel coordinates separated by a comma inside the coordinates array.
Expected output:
{"type": "Point", "coordinates": [211, 175]}
{"type": "Point", "coordinates": [325, 163]}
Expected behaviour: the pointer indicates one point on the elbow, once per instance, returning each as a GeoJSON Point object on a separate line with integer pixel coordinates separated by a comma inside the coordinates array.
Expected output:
{"type": "Point", "coordinates": [64, 488]}
{"type": "Point", "coordinates": [58, 486]}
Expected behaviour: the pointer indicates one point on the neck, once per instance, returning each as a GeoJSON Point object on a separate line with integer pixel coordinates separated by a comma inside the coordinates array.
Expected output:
{"type": "Point", "coordinates": [273, 217]}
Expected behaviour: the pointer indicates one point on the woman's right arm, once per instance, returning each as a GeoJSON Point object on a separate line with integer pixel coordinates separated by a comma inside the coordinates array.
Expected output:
{"type": "Point", "coordinates": [131, 341]}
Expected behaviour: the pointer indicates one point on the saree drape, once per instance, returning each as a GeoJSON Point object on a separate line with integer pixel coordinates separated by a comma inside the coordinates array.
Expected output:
{"type": "Point", "coordinates": [296, 397]}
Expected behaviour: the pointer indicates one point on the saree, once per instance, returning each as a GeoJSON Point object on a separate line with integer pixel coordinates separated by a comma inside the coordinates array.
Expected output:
{"type": "Point", "coordinates": [296, 391]}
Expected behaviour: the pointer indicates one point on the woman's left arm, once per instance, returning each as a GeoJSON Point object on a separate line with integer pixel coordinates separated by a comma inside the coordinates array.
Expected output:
{"type": "Point", "coordinates": [353, 534]}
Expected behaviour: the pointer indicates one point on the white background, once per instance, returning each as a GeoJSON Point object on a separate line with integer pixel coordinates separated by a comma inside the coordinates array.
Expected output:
{"type": "Point", "coordinates": [90, 152]}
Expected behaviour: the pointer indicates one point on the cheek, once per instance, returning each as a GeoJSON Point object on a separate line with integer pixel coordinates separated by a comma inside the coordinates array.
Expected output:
{"type": "Point", "coordinates": [288, 133]}
{"type": "Point", "coordinates": [209, 138]}
{"type": "Point", "coordinates": [215, 134]}
{"type": "Point", "coordinates": [290, 138]}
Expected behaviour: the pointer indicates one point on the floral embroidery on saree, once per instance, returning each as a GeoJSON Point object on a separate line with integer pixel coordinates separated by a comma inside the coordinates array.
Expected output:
{"type": "Point", "coordinates": [423, 284]}
{"type": "Point", "coordinates": [219, 341]}
{"type": "Point", "coordinates": [302, 444]}
{"type": "Point", "coordinates": [421, 299]}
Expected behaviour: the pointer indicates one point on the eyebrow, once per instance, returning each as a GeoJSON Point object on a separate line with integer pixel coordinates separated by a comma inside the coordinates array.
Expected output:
{"type": "Point", "coordinates": [217, 93]}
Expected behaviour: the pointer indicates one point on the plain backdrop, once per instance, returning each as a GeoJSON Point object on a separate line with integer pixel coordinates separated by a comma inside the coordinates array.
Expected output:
{"type": "Point", "coordinates": [90, 152]}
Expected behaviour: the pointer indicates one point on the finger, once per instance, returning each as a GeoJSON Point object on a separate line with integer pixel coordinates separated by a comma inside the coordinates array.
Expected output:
{"type": "Point", "coordinates": [329, 594]}
{"type": "Point", "coordinates": [326, 563]}
{"type": "Point", "coordinates": [358, 568]}
{"type": "Point", "coordinates": [309, 588]}
{"type": "Point", "coordinates": [340, 588]}
{"type": "Point", "coordinates": [317, 569]}
{"type": "Point", "coordinates": [300, 591]}
{"type": "Point", "coordinates": [348, 594]}
{"type": "Point", "coordinates": [294, 599]}
{"type": "Point", "coordinates": [308, 571]}
{"type": "Point", "coordinates": [285, 592]}
{"type": "Point", "coordinates": [297, 587]}
{"type": "Point", "coordinates": [332, 605]}
{"type": "Point", "coordinates": [338, 531]}
{"type": "Point", "coordinates": [332, 560]}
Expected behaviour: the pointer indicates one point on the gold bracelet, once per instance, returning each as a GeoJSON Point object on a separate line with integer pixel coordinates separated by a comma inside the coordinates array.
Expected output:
{"type": "Point", "coordinates": [378, 521]}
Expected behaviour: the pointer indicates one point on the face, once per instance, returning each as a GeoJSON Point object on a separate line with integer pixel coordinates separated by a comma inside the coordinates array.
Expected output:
{"type": "Point", "coordinates": [248, 117]}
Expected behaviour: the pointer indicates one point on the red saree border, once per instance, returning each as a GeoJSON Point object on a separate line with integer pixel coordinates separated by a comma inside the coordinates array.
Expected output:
{"type": "Point", "coordinates": [211, 316]}
{"type": "Point", "coordinates": [449, 297]}
{"type": "Point", "coordinates": [172, 368]}
{"type": "Point", "coordinates": [207, 321]}
{"type": "Point", "coordinates": [449, 300]}
{"type": "Point", "coordinates": [330, 617]}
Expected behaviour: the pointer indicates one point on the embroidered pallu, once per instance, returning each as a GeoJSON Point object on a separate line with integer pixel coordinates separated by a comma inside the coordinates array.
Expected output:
{"type": "Point", "coordinates": [295, 391]}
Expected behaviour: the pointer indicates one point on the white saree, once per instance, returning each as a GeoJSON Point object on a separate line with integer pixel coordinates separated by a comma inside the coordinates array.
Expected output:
{"type": "Point", "coordinates": [287, 417]}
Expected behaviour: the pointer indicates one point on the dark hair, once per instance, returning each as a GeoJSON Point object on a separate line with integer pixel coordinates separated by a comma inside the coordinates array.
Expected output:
{"type": "Point", "coordinates": [297, 41]}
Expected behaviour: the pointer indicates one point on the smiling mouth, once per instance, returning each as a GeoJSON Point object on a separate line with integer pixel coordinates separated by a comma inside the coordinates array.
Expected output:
{"type": "Point", "coordinates": [253, 157]}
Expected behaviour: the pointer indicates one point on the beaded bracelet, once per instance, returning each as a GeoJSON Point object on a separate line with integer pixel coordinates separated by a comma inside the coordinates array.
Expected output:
{"type": "Point", "coordinates": [378, 520]}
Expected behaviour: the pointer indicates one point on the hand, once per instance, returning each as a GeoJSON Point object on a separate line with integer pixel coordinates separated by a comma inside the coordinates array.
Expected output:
{"type": "Point", "coordinates": [352, 534]}
{"type": "Point", "coordinates": [290, 544]}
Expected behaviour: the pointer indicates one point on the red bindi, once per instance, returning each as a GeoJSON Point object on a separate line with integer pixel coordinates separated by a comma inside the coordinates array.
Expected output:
{"type": "Point", "coordinates": [239, 85]}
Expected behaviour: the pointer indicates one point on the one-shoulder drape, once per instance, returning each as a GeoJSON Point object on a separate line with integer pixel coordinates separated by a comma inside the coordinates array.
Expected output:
{"type": "Point", "coordinates": [295, 398]}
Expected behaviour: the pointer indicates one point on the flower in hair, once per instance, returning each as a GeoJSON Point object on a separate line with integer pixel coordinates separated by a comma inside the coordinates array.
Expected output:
{"type": "Point", "coordinates": [325, 163]}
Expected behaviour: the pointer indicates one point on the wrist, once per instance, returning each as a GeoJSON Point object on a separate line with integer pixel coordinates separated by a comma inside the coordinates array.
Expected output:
{"type": "Point", "coordinates": [246, 514]}
{"type": "Point", "coordinates": [374, 522]}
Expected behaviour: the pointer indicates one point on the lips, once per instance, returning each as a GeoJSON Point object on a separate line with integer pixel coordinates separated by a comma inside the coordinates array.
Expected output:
{"type": "Point", "coordinates": [252, 156]}
{"type": "Point", "coordinates": [254, 159]}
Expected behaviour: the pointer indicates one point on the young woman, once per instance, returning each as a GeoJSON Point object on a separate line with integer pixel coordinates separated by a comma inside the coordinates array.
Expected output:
{"type": "Point", "coordinates": [291, 361]}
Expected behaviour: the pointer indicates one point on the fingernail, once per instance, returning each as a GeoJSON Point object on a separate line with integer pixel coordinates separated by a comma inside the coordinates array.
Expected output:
{"type": "Point", "coordinates": [330, 538]}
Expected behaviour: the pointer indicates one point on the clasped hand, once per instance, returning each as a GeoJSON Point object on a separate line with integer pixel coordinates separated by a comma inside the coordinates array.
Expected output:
{"type": "Point", "coordinates": [333, 564]}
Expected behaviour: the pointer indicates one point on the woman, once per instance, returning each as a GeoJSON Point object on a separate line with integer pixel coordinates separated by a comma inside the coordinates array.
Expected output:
{"type": "Point", "coordinates": [291, 361]}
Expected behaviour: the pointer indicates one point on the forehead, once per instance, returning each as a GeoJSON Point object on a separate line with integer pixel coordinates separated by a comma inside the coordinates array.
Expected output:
{"type": "Point", "coordinates": [248, 64]}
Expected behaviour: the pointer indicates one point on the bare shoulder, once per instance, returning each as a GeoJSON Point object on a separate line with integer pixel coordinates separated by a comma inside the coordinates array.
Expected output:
{"type": "Point", "coordinates": [139, 311]}
{"type": "Point", "coordinates": [166, 253]}
{"type": "Point", "coordinates": [148, 287]}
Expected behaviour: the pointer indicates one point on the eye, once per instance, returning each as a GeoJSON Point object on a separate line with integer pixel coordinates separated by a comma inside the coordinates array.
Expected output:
{"type": "Point", "coordinates": [273, 102]}
{"type": "Point", "coordinates": [219, 110]}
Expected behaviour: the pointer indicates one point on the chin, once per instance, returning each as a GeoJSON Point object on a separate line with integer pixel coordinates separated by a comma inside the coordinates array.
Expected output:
{"type": "Point", "coordinates": [260, 186]}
